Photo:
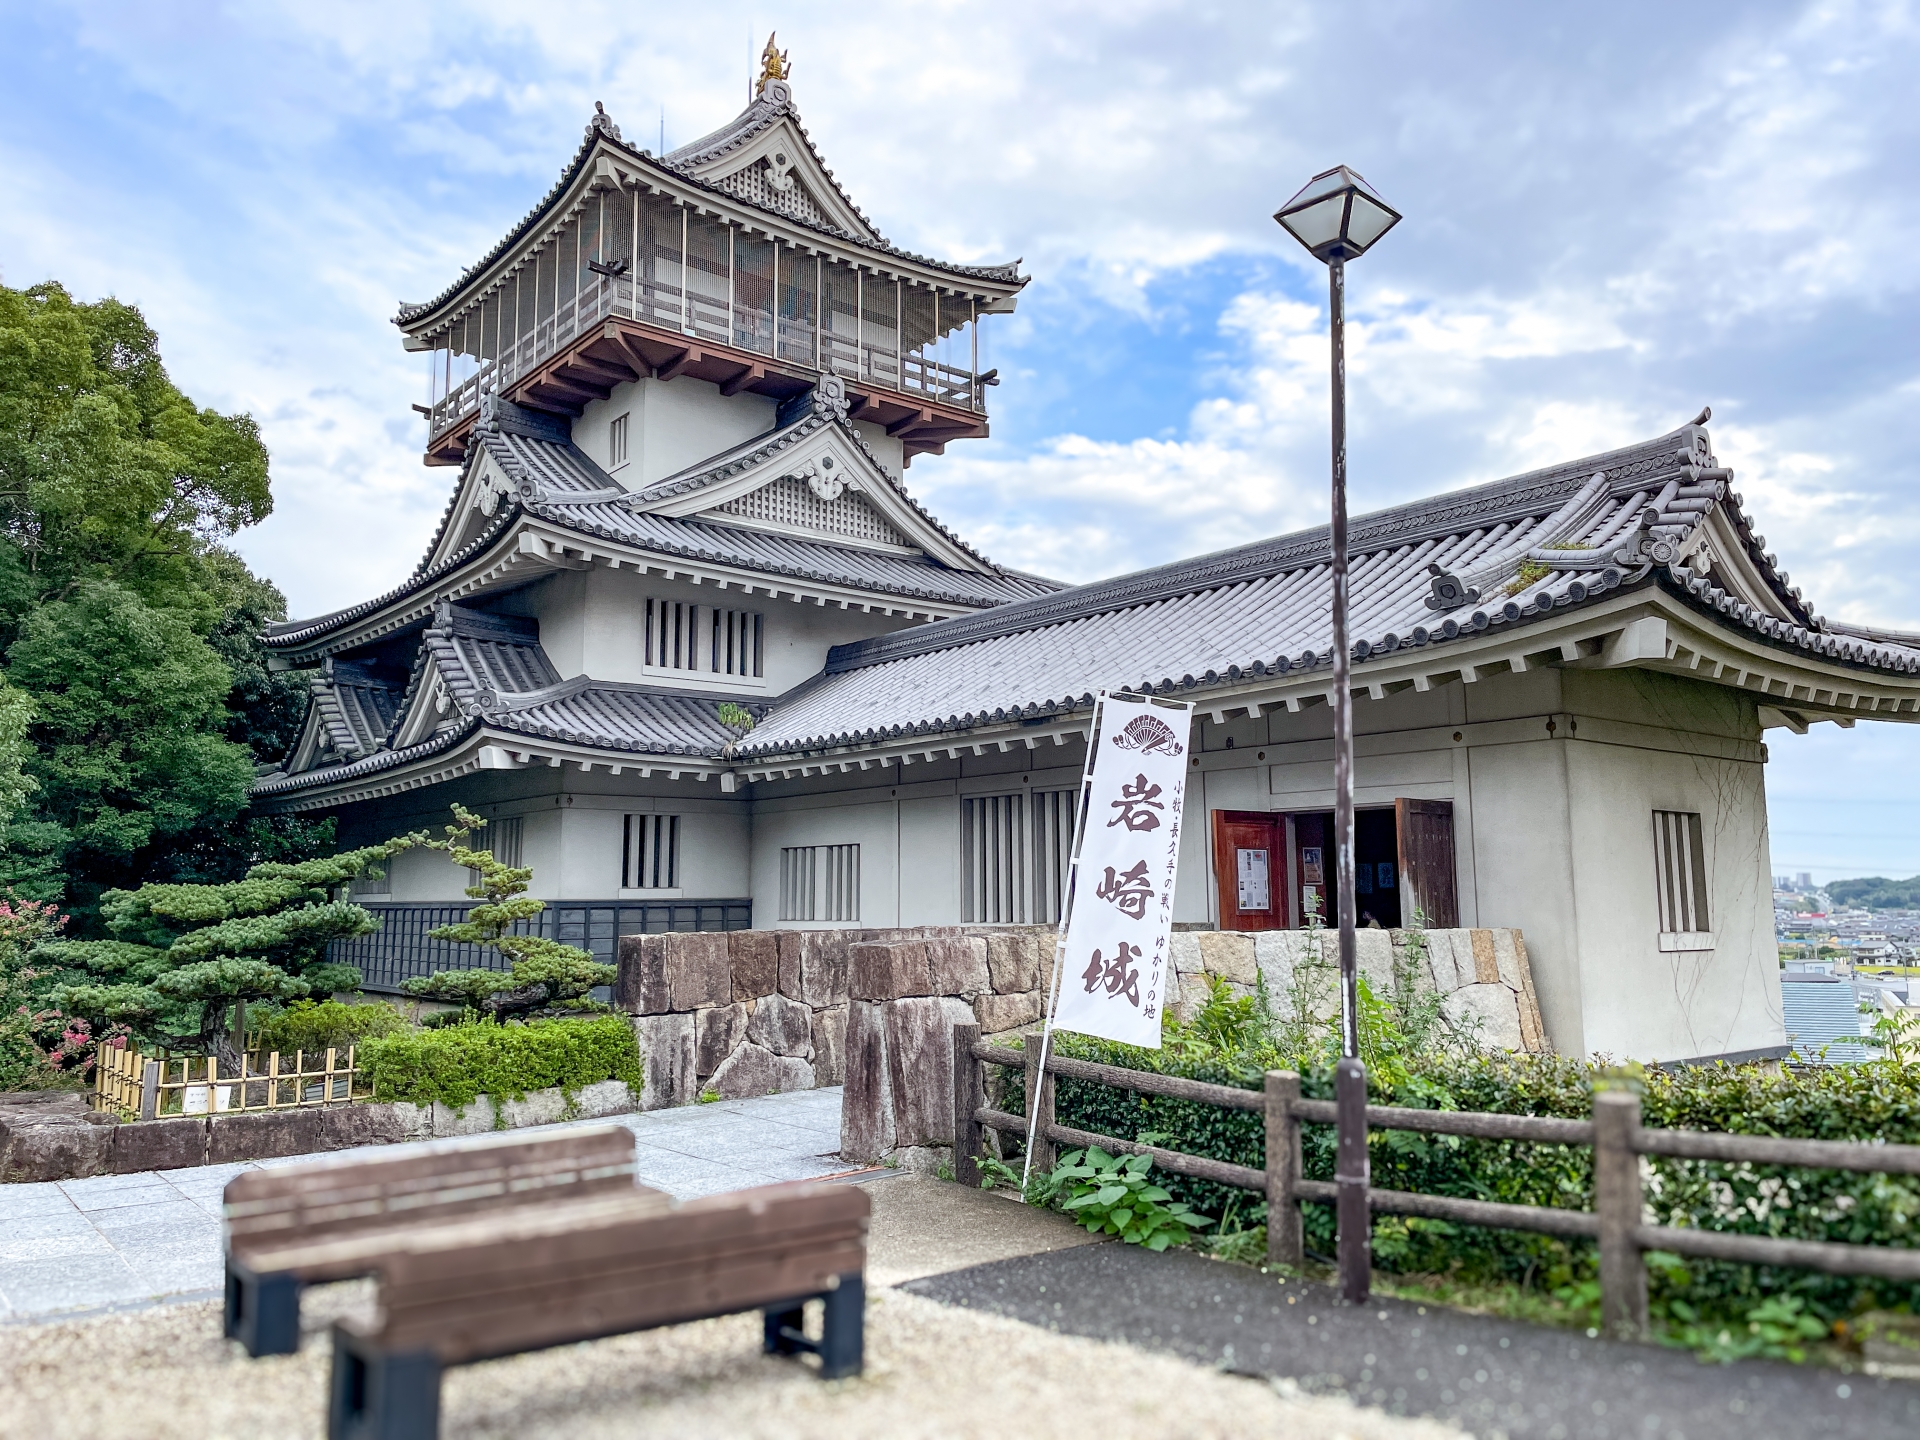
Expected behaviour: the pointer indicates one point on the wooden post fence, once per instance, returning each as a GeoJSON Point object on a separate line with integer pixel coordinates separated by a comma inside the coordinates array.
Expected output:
{"type": "Point", "coordinates": [1286, 1240]}
{"type": "Point", "coordinates": [1617, 1203]}
{"type": "Point", "coordinates": [969, 1096]}
{"type": "Point", "coordinates": [1614, 1133]}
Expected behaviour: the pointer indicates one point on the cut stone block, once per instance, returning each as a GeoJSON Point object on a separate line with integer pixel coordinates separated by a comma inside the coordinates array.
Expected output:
{"type": "Point", "coordinates": [1506, 959]}
{"type": "Point", "coordinates": [755, 960]}
{"type": "Point", "coordinates": [1007, 1012]}
{"type": "Point", "coordinates": [889, 970]}
{"type": "Point", "coordinates": [866, 1104]}
{"type": "Point", "coordinates": [959, 966]}
{"type": "Point", "coordinates": [1492, 1012]}
{"type": "Point", "coordinates": [343, 1127]}
{"type": "Point", "coordinates": [174, 1144]}
{"type": "Point", "coordinates": [58, 1151]}
{"type": "Point", "coordinates": [666, 1060]}
{"type": "Point", "coordinates": [718, 1031]}
{"type": "Point", "coordinates": [1486, 968]}
{"type": "Point", "coordinates": [920, 1066]}
{"type": "Point", "coordinates": [823, 969]}
{"type": "Point", "coordinates": [474, 1119]}
{"type": "Point", "coordinates": [699, 970]}
{"type": "Point", "coordinates": [830, 1046]}
{"type": "Point", "coordinates": [609, 1097]}
{"type": "Point", "coordinates": [640, 986]}
{"type": "Point", "coordinates": [789, 962]}
{"type": "Point", "coordinates": [1226, 953]}
{"type": "Point", "coordinates": [1184, 946]}
{"type": "Point", "coordinates": [540, 1107]}
{"type": "Point", "coordinates": [783, 1026]}
{"type": "Point", "coordinates": [1373, 955]}
{"type": "Point", "coordinates": [265, 1136]}
{"type": "Point", "coordinates": [1013, 960]}
{"type": "Point", "coordinates": [754, 1070]}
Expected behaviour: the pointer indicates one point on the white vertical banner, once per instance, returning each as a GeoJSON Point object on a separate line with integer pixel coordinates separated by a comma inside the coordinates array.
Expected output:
{"type": "Point", "coordinates": [1114, 957]}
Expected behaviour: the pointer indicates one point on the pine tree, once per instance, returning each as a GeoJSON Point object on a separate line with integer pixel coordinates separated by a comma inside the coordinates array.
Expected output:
{"type": "Point", "coordinates": [547, 977]}
{"type": "Point", "coordinates": [184, 957]}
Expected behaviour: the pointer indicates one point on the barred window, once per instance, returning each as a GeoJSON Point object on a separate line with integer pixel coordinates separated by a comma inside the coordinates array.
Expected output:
{"type": "Point", "coordinates": [503, 838]}
{"type": "Point", "coordinates": [1015, 851]}
{"type": "Point", "coordinates": [650, 853]}
{"type": "Point", "coordinates": [705, 638]}
{"type": "Point", "coordinates": [820, 882]}
{"type": "Point", "coordinates": [1680, 879]}
{"type": "Point", "coordinates": [617, 442]}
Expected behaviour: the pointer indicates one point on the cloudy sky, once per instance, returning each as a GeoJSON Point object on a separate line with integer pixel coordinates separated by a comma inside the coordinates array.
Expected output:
{"type": "Point", "coordinates": [1614, 216]}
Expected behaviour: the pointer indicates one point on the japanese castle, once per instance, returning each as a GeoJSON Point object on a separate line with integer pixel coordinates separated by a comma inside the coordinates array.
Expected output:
{"type": "Point", "coordinates": [686, 638]}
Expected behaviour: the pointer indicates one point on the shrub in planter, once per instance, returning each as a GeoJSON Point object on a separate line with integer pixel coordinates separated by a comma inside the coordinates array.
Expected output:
{"type": "Point", "coordinates": [457, 1064]}
{"type": "Point", "coordinates": [320, 1025]}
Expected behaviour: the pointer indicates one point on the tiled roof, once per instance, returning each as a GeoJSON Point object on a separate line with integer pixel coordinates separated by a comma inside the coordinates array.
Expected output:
{"type": "Point", "coordinates": [354, 706]}
{"type": "Point", "coordinates": [558, 483]}
{"type": "Point", "coordinates": [674, 166]}
{"type": "Point", "coordinates": [1512, 551]}
{"type": "Point", "coordinates": [609, 716]}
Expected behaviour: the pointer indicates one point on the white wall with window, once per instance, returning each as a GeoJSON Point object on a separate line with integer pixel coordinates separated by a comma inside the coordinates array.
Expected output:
{"type": "Point", "coordinates": [820, 883]}
{"type": "Point", "coordinates": [1014, 852]}
{"type": "Point", "coordinates": [650, 853]}
{"type": "Point", "coordinates": [696, 639]}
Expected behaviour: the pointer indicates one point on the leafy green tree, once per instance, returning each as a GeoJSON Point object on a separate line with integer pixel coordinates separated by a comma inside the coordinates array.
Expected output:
{"type": "Point", "coordinates": [127, 749]}
{"type": "Point", "coordinates": [547, 978]}
{"type": "Point", "coordinates": [117, 495]}
{"type": "Point", "coordinates": [184, 957]}
{"type": "Point", "coordinates": [106, 469]}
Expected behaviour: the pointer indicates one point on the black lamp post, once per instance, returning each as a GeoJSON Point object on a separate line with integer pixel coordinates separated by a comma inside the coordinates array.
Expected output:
{"type": "Point", "coordinates": [1338, 217]}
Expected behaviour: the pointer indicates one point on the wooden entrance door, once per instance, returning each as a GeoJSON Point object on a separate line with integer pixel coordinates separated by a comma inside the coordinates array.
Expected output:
{"type": "Point", "coordinates": [1425, 837]}
{"type": "Point", "coordinates": [1249, 866]}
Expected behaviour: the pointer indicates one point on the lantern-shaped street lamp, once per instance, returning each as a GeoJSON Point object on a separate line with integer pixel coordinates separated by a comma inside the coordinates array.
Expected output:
{"type": "Point", "coordinates": [1338, 217]}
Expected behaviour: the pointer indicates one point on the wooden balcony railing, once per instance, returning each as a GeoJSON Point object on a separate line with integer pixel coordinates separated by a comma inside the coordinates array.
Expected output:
{"type": "Point", "coordinates": [704, 317]}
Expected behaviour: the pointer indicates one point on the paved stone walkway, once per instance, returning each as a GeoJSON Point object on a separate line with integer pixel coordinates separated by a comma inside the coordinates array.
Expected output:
{"type": "Point", "coordinates": [124, 1240]}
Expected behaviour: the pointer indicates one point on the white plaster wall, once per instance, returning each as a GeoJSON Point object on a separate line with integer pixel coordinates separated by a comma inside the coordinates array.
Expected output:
{"type": "Point", "coordinates": [867, 819]}
{"type": "Point", "coordinates": [674, 424]}
{"type": "Point", "coordinates": [592, 622]}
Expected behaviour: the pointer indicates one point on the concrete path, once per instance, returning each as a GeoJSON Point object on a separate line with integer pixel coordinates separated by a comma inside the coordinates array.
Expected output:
{"type": "Point", "coordinates": [117, 1241]}
{"type": "Point", "coordinates": [1487, 1375]}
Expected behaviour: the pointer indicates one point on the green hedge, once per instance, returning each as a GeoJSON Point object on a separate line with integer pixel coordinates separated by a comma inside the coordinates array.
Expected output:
{"type": "Point", "coordinates": [458, 1064]}
{"type": "Point", "coordinates": [310, 1025]}
{"type": "Point", "coordinates": [1879, 1101]}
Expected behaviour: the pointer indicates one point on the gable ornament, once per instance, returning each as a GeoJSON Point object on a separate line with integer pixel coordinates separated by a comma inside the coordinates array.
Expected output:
{"type": "Point", "coordinates": [827, 479]}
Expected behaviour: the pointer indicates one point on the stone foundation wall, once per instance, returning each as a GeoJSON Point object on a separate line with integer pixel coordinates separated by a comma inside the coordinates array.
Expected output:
{"type": "Point", "coordinates": [753, 1012]}
{"type": "Point", "coordinates": [756, 1012]}
{"type": "Point", "coordinates": [53, 1136]}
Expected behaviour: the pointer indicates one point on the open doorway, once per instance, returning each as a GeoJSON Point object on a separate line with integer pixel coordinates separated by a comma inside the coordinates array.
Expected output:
{"type": "Point", "coordinates": [1273, 868]}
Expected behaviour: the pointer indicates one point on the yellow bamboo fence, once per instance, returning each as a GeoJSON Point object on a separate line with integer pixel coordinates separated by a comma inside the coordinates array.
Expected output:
{"type": "Point", "coordinates": [146, 1087]}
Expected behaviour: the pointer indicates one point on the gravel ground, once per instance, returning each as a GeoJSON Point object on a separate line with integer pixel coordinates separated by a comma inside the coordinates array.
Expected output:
{"type": "Point", "coordinates": [1492, 1376]}
{"type": "Point", "coordinates": [932, 1370]}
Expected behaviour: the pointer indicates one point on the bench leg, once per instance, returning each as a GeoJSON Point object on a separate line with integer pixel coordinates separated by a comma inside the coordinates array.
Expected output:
{"type": "Point", "coordinates": [843, 1339]}
{"type": "Point", "coordinates": [376, 1396]}
{"type": "Point", "coordinates": [785, 1324]}
{"type": "Point", "coordinates": [263, 1312]}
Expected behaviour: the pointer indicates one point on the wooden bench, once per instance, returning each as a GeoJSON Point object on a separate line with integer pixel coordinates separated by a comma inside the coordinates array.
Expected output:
{"type": "Point", "coordinates": [503, 1285]}
{"type": "Point", "coordinates": [300, 1225]}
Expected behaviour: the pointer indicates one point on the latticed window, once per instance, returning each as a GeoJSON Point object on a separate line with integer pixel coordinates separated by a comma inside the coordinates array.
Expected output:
{"type": "Point", "coordinates": [617, 442]}
{"type": "Point", "coordinates": [1015, 851]}
{"type": "Point", "coordinates": [503, 838]}
{"type": "Point", "coordinates": [680, 636]}
{"type": "Point", "coordinates": [650, 853]}
{"type": "Point", "coordinates": [820, 882]}
{"type": "Point", "coordinates": [1680, 876]}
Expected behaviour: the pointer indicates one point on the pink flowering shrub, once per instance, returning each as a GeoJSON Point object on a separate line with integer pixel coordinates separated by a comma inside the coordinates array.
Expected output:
{"type": "Point", "coordinates": [38, 1046]}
